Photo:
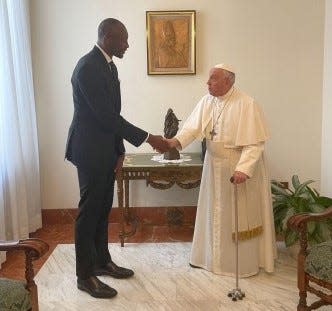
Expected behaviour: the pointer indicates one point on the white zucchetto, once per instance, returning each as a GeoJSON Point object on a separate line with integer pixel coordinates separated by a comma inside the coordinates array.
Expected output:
{"type": "Point", "coordinates": [225, 67]}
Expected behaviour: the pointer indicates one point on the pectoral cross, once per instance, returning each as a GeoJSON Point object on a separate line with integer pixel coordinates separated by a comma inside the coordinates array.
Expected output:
{"type": "Point", "coordinates": [213, 133]}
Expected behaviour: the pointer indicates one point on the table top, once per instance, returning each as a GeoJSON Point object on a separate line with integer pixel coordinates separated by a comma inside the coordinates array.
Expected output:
{"type": "Point", "coordinates": [144, 160]}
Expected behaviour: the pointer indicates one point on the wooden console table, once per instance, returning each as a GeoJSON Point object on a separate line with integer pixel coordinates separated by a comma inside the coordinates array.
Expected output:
{"type": "Point", "coordinates": [186, 175]}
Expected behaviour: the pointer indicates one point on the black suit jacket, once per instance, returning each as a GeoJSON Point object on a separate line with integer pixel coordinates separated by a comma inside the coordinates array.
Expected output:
{"type": "Point", "coordinates": [95, 138]}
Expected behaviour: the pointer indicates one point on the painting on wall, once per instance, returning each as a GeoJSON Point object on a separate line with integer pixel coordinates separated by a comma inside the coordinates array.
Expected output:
{"type": "Point", "coordinates": [171, 42]}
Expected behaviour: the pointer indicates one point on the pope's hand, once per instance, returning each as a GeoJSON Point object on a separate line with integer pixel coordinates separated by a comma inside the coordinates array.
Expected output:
{"type": "Point", "coordinates": [158, 143]}
{"type": "Point", "coordinates": [172, 142]}
{"type": "Point", "coordinates": [239, 177]}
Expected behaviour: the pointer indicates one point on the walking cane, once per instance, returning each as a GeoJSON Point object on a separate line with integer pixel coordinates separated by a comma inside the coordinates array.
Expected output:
{"type": "Point", "coordinates": [236, 293]}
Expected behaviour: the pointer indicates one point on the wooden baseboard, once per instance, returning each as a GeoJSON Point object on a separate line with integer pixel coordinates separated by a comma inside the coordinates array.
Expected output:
{"type": "Point", "coordinates": [148, 215]}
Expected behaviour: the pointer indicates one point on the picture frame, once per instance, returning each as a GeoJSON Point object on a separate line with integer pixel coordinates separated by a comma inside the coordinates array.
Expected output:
{"type": "Point", "coordinates": [171, 42]}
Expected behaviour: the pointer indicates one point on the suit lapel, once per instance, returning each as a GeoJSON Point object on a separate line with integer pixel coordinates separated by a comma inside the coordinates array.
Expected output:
{"type": "Point", "coordinates": [113, 83]}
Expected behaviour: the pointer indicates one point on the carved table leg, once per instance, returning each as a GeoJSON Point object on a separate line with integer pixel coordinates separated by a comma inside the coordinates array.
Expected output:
{"type": "Point", "coordinates": [126, 209]}
{"type": "Point", "coordinates": [130, 215]}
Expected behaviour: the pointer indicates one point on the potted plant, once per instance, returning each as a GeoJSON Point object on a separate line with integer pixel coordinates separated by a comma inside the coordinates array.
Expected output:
{"type": "Point", "coordinates": [300, 199]}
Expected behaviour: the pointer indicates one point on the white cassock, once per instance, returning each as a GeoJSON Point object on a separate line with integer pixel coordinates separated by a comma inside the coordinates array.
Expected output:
{"type": "Point", "coordinates": [237, 146]}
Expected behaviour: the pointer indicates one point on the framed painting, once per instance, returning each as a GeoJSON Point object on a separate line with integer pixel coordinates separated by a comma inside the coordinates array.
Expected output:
{"type": "Point", "coordinates": [171, 42]}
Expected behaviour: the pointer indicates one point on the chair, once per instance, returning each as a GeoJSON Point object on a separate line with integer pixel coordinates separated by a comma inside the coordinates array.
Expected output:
{"type": "Point", "coordinates": [20, 295]}
{"type": "Point", "coordinates": [314, 264]}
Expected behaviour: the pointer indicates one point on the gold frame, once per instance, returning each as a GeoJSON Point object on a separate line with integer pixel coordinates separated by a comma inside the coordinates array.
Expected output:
{"type": "Point", "coordinates": [171, 42]}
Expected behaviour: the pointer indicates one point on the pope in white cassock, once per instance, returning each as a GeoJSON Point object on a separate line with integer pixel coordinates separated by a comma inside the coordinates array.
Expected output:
{"type": "Point", "coordinates": [235, 132]}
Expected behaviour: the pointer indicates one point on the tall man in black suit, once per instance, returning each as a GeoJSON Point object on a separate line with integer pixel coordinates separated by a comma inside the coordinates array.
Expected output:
{"type": "Point", "coordinates": [95, 147]}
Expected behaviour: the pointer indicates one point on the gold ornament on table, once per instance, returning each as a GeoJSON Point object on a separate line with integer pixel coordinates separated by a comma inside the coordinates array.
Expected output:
{"type": "Point", "coordinates": [171, 127]}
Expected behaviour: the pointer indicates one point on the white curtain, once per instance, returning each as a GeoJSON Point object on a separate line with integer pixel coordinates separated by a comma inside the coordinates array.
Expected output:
{"type": "Point", "coordinates": [20, 206]}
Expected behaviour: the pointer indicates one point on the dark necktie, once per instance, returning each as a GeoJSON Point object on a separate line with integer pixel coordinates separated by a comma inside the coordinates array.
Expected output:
{"type": "Point", "coordinates": [116, 86]}
{"type": "Point", "coordinates": [114, 70]}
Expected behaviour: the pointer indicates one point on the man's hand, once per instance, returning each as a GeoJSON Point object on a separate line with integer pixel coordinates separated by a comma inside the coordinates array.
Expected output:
{"type": "Point", "coordinates": [173, 142]}
{"type": "Point", "coordinates": [158, 143]}
{"type": "Point", "coordinates": [239, 177]}
{"type": "Point", "coordinates": [119, 165]}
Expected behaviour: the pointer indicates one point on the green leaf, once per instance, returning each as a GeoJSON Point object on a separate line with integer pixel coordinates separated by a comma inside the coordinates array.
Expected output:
{"type": "Point", "coordinates": [289, 213]}
{"type": "Point", "coordinates": [302, 187]}
{"type": "Point", "coordinates": [295, 181]}
{"type": "Point", "coordinates": [280, 197]}
{"type": "Point", "coordinates": [279, 201]}
{"type": "Point", "coordinates": [311, 227]}
{"type": "Point", "coordinates": [277, 206]}
{"type": "Point", "coordinates": [315, 238]}
{"type": "Point", "coordinates": [278, 190]}
{"type": "Point", "coordinates": [328, 223]}
{"type": "Point", "coordinates": [316, 208]}
{"type": "Point", "coordinates": [278, 228]}
{"type": "Point", "coordinates": [290, 237]}
{"type": "Point", "coordinates": [275, 182]}
{"type": "Point", "coordinates": [325, 229]}
{"type": "Point", "coordinates": [279, 217]}
{"type": "Point", "coordinates": [287, 202]}
{"type": "Point", "coordinates": [313, 194]}
{"type": "Point", "coordinates": [325, 201]}
{"type": "Point", "coordinates": [317, 193]}
{"type": "Point", "coordinates": [300, 205]}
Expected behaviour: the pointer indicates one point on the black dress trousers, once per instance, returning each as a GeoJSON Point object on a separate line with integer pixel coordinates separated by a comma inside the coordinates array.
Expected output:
{"type": "Point", "coordinates": [91, 227]}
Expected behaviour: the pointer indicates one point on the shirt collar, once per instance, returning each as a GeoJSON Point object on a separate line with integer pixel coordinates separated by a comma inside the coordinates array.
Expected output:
{"type": "Point", "coordinates": [108, 58]}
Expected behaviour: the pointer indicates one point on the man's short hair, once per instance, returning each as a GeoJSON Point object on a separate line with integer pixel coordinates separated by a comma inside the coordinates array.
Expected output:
{"type": "Point", "coordinates": [107, 26]}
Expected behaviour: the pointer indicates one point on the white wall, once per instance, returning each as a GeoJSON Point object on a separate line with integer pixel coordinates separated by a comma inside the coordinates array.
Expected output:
{"type": "Point", "coordinates": [326, 186]}
{"type": "Point", "coordinates": [276, 47]}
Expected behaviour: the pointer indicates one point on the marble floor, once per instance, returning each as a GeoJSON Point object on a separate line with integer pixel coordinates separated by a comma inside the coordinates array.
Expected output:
{"type": "Point", "coordinates": [64, 234]}
{"type": "Point", "coordinates": [164, 281]}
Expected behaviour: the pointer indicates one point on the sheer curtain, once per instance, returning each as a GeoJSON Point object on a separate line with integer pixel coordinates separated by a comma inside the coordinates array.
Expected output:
{"type": "Point", "coordinates": [20, 206]}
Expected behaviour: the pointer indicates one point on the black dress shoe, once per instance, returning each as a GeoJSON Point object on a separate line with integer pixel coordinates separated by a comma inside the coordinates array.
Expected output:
{"type": "Point", "coordinates": [115, 271]}
{"type": "Point", "coordinates": [96, 288]}
{"type": "Point", "coordinates": [193, 266]}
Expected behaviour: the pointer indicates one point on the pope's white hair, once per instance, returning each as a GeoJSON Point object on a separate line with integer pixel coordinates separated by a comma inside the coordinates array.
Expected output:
{"type": "Point", "coordinates": [230, 76]}
{"type": "Point", "coordinates": [228, 71]}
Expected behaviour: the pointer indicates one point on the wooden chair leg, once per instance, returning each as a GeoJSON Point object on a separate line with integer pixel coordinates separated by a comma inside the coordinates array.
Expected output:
{"type": "Point", "coordinates": [33, 249]}
{"type": "Point", "coordinates": [34, 297]}
{"type": "Point", "coordinates": [302, 283]}
{"type": "Point", "coordinates": [302, 306]}
{"type": "Point", "coordinates": [31, 285]}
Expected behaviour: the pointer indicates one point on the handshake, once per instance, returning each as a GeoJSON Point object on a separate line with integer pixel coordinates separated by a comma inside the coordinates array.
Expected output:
{"type": "Point", "coordinates": [162, 144]}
